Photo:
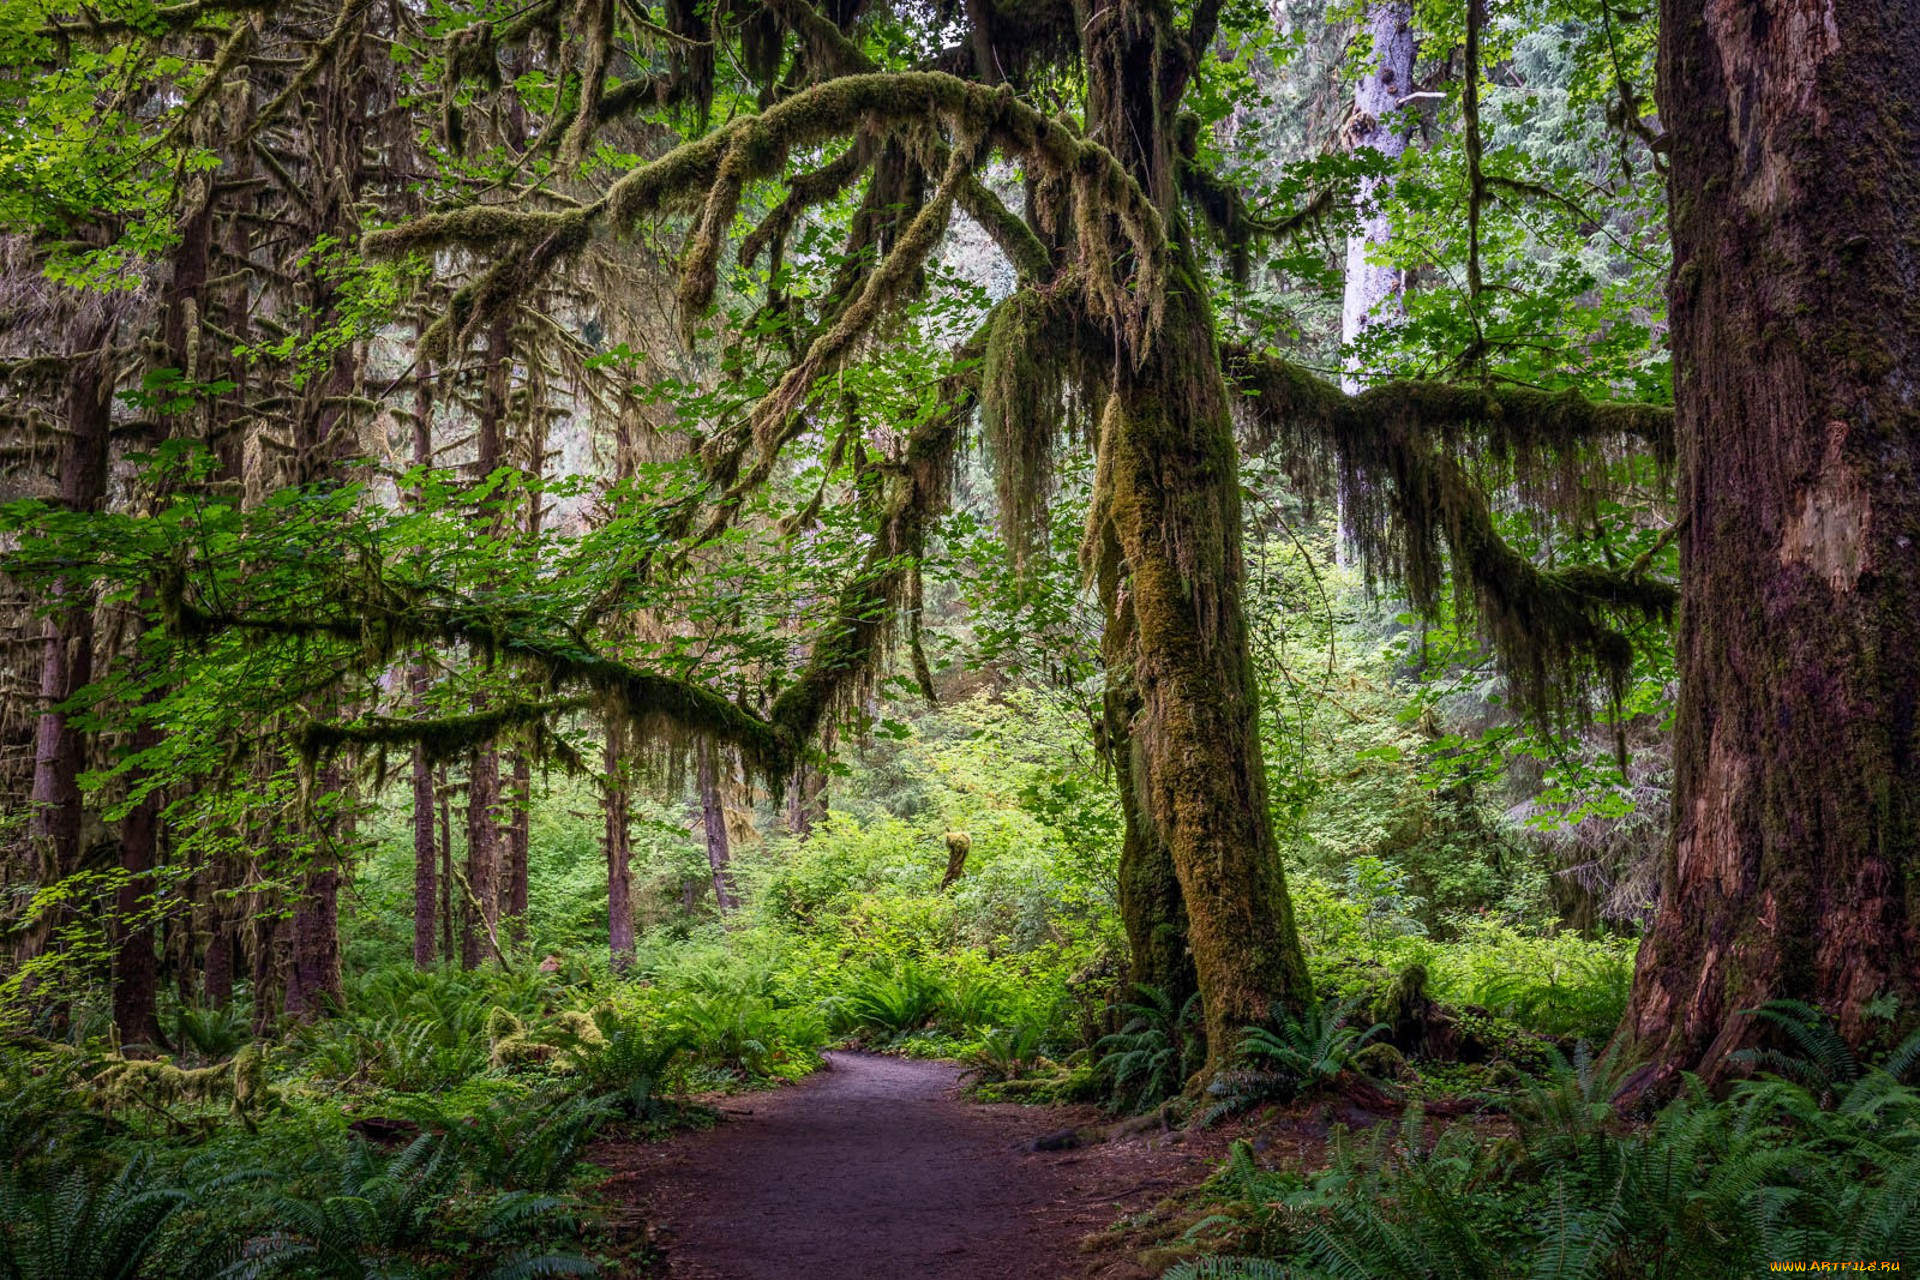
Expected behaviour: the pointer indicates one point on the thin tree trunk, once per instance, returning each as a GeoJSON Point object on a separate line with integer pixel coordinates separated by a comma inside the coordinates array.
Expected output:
{"type": "Point", "coordinates": [446, 868]}
{"type": "Point", "coordinates": [513, 902]}
{"type": "Point", "coordinates": [620, 940]}
{"type": "Point", "coordinates": [481, 911]}
{"type": "Point", "coordinates": [426, 882]}
{"type": "Point", "coordinates": [135, 969]}
{"type": "Point", "coordinates": [426, 885]}
{"type": "Point", "coordinates": [713, 817]}
{"type": "Point", "coordinates": [1795, 865]}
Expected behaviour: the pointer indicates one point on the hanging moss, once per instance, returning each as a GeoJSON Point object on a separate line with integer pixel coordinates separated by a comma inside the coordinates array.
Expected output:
{"type": "Point", "coordinates": [1416, 511]}
{"type": "Point", "coordinates": [1025, 411]}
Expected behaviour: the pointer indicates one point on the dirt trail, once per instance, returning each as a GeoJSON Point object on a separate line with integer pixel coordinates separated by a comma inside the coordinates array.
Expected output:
{"type": "Point", "coordinates": [874, 1170]}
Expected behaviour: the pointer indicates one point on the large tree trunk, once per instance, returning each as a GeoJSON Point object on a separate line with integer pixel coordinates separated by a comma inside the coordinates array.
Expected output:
{"type": "Point", "coordinates": [1167, 496]}
{"type": "Point", "coordinates": [313, 970]}
{"type": "Point", "coordinates": [1151, 906]}
{"type": "Point", "coordinates": [1171, 492]}
{"type": "Point", "coordinates": [66, 652]}
{"type": "Point", "coordinates": [1795, 864]}
{"type": "Point", "coordinates": [806, 800]}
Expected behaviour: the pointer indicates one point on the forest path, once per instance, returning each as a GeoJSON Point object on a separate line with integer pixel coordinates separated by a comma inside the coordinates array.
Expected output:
{"type": "Point", "coordinates": [874, 1170]}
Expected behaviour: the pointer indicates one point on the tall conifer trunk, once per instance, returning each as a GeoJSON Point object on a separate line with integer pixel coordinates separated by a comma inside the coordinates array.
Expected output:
{"type": "Point", "coordinates": [1795, 866]}
{"type": "Point", "coordinates": [426, 881]}
{"type": "Point", "coordinates": [66, 651]}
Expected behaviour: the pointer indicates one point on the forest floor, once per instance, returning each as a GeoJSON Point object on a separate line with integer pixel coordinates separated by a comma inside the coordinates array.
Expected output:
{"type": "Point", "coordinates": [876, 1169]}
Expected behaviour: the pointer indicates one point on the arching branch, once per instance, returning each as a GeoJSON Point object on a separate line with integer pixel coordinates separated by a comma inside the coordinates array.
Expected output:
{"type": "Point", "coordinates": [710, 171]}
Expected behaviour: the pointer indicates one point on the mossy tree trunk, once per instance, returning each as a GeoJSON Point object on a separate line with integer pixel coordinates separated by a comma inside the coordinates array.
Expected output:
{"type": "Point", "coordinates": [426, 856]}
{"type": "Point", "coordinates": [482, 915]}
{"type": "Point", "coordinates": [1795, 865]}
{"type": "Point", "coordinates": [1170, 490]}
{"type": "Point", "coordinates": [1182, 720]}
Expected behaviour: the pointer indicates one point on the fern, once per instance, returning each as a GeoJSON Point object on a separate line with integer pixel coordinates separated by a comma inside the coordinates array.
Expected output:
{"type": "Point", "coordinates": [1227, 1268]}
{"type": "Point", "coordinates": [1155, 1050]}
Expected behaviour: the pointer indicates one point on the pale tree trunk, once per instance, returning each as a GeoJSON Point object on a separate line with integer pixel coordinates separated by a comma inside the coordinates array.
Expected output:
{"type": "Point", "coordinates": [1373, 287]}
{"type": "Point", "coordinates": [1795, 864]}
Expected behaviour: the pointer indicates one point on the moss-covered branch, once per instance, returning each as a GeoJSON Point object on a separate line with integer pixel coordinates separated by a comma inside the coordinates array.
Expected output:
{"type": "Point", "coordinates": [442, 737]}
{"type": "Point", "coordinates": [1414, 510]}
{"type": "Point", "coordinates": [710, 172]}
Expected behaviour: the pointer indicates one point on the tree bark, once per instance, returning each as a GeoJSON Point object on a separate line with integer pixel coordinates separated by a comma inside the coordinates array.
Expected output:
{"type": "Point", "coordinates": [66, 651]}
{"type": "Point", "coordinates": [216, 966]}
{"type": "Point", "coordinates": [620, 941]}
{"type": "Point", "coordinates": [513, 897]}
{"type": "Point", "coordinates": [806, 800]}
{"type": "Point", "coordinates": [313, 971]}
{"type": "Point", "coordinates": [426, 886]}
{"type": "Point", "coordinates": [1795, 863]}
{"type": "Point", "coordinates": [1373, 288]}
{"type": "Point", "coordinates": [713, 818]}
{"type": "Point", "coordinates": [446, 868]}
{"type": "Point", "coordinates": [1172, 495]}
{"type": "Point", "coordinates": [481, 910]}
{"type": "Point", "coordinates": [135, 969]}
{"type": "Point", "coordinates": [1167, 524]}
